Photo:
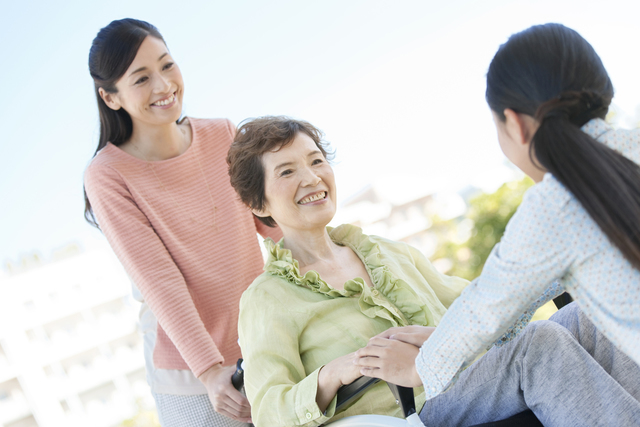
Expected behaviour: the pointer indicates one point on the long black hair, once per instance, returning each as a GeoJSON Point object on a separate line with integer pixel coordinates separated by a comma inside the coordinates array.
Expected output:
{"type": "Point", "coordinates": [112, 52]}
{"type": "Point", "coordinates": [554, 75]}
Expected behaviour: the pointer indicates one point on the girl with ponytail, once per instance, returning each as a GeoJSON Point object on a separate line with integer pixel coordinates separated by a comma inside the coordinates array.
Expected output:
{"type": "Point", "coordinates": [576, 231]}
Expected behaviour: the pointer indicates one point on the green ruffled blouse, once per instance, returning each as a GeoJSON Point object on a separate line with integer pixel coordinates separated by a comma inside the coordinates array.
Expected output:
{"type": "Point", "coordinates": [292, 324]}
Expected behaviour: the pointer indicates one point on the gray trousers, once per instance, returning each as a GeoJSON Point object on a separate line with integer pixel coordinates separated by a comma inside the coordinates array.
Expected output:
{"type": "Point", "coordinates": [563, 369]}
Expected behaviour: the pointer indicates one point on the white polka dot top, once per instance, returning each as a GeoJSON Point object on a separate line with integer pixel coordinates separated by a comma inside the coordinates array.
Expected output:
{"type": "Point", "coordinates": [551, 245]}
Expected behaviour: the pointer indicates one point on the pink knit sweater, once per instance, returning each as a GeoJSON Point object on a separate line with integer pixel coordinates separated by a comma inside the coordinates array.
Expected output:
{"type": "Point", "coordinates": [191, 274]}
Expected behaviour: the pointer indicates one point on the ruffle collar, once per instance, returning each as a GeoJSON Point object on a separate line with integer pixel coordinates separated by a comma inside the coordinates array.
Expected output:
{"type": "Point", "coordinates": [390, 298]}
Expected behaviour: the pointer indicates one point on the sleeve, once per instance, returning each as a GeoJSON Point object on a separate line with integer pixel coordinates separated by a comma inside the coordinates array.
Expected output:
{"type": "Point", "coordinates": [535, 250]}
{"type": "Point", "coordinates": [554, 290]}
{"type": "Point", "coordinates": [446, 288]}
{"type": "Point", "coordinates": [277, 386]}
{"type": "Point", "coordinates": [151, 267]}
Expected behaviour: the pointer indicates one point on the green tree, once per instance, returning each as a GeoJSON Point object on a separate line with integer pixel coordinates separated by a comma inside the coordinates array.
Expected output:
{"type": "Point", "coordinates": [469, 241]}
{"type": "Point", "coordinates": [483, 227]}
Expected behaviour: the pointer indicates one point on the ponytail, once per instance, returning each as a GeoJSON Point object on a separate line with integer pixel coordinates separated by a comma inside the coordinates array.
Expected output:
{"type": "Point", "coordinates": [551, 73]}
{"type": "Point", "coordinates": [605, 182]}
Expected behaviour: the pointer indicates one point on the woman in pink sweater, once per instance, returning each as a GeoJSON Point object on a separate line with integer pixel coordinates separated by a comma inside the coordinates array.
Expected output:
{"type": "Point", "coordinates": [158, 189]}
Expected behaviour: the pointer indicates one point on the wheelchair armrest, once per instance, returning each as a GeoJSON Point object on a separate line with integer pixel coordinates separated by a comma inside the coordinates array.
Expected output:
{"type": "Point", "coordinates": [348, 393]}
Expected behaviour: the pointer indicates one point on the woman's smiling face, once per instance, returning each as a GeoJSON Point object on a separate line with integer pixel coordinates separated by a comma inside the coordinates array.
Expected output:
{"type": "Point", "coordinates": [300, 188]}
{"type": "Point", "coordinates": [151, 89]}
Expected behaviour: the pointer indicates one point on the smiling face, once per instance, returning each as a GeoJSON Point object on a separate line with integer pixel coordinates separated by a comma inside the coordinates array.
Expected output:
{"type": "Point", "coordinates": [151, 89]}
{"type": "Point", "coordinates": [300, 188]}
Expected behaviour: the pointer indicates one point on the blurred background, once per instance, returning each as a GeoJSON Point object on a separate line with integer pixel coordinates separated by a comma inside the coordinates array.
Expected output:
{"type": "Point", "coordinates": [397, 87]}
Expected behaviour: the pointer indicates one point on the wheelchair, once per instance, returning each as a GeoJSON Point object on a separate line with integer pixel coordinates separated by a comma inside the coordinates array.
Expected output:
{"type": "Point", "coordinates": [404, 397]}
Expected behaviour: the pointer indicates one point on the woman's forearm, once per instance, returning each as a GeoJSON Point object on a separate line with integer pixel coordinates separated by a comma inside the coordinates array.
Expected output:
{"type": "Point", "coordinates": [151, 267]}
{"type": "Point", "coordinates": [338, 372]}
{"type": "Point", "coordinates": [327, 387]}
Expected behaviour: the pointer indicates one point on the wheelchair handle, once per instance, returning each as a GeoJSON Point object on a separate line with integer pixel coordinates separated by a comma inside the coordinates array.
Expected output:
{"type": "Point", "coordinates": [237, 379]}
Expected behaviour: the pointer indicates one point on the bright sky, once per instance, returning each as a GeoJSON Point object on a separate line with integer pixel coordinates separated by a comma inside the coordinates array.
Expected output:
{"type": "Point", "coordinates": [396, 85]}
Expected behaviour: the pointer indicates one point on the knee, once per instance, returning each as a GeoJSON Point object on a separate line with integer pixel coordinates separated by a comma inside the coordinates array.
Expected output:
{"type": "Point", "coordinates": [568, 316]}
{"type": "Point", "coordinates": [541, 342]}
{"type": "Point", "coordinates": [546, 334]}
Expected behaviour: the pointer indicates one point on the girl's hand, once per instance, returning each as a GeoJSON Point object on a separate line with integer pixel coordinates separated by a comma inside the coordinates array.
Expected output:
{"type": "Point", "coordinates": [416, 335]}
{"type": "Point", "coordinates": [390, 360]}
{"type": "Point", "coordinates": [226, 400]}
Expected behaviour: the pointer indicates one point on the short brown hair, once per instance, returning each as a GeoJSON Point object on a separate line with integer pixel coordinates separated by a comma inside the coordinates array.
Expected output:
{"type": "Point", "coordinates": [254, 138]}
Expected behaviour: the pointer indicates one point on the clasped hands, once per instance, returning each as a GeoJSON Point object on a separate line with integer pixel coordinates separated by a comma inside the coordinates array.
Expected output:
{"type": "Point", "coordinates": [391, 355]}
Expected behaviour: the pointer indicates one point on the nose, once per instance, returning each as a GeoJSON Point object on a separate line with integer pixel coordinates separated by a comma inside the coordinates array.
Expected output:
{"type": "Point", "coordinates": [162, 84]}
{"type": "Point", "coordinates": [310, 178]}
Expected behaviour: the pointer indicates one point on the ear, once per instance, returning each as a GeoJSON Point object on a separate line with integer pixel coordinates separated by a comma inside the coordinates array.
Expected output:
{"type": "Point", "coordinates": [110, 99]}
{"type": "Point", "coordinates": [262, 213]}
{"type": "Point", "coordinates": [520, 127]}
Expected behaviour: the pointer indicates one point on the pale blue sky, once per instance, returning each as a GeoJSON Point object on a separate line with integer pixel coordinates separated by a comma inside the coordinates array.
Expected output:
{"type": "Point", "coordinates": [397, 86]}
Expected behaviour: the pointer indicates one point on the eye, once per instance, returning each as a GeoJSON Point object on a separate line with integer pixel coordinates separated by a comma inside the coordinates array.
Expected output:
{"type": "Point", "coordinates": [141, 80]}
{"type": "Point", "coordinates": [317, 161]}
{"type": "Point", "coordinates": [168, 66]}
{"type": "Point", "coordinates": [286, 172]}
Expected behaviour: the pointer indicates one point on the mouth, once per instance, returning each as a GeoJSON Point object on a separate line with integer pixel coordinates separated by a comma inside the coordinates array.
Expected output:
{"type": "Point", "coordinates": [166, 101]}
{"type": "Point", "coordinates": [313, 198]}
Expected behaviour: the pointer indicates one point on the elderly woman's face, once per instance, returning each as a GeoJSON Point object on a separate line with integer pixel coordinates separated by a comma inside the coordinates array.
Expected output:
{"type": "Point", "coordinates": [300, 188]}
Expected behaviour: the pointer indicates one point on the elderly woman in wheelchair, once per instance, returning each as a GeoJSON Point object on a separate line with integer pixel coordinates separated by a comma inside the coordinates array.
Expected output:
{"type": "Point", "coordinates": [327, 291]}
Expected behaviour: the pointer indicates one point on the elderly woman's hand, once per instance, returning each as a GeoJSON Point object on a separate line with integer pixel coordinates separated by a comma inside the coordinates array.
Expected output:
{"type": "Point", "coordinates": [333, 375]}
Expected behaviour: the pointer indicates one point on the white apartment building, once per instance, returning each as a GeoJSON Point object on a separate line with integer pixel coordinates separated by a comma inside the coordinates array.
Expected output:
{"type": "Point", "coordinates": [70, 354]}
{"type": "Point", "coordinates": [401, 214]}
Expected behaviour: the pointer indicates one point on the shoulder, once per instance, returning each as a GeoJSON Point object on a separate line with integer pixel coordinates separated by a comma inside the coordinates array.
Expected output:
{"type": "Point", "coordinates": [388, 243]}
{"type": "Point", "coordinates": [547, 211]}
{"type": "Point", "coordinates": [106, 156]}
{"type": "Point", "coordinates": [353, 235]}
{"type": "Point", "coordinates": [370, 246]}
{"type": "Point", "coordinates": [547, 198]}
{"type": "Point", "coordinates": [274, 295]}
{"type": "Point", "coordinates": [624, 141]}
{"type": "Point", "coordinates": [219, 129]}
{"type": "Point", "coordinates": [103, 166]}
{"type": "Point", "coordinates": [267, 284]}
{"type": "Point", "coordinates": [384, 245]}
